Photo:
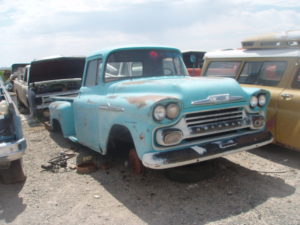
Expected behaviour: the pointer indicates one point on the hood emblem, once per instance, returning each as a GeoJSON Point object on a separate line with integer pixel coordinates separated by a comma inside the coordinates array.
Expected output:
{"type": "Point", "coordinates": [217, 99]}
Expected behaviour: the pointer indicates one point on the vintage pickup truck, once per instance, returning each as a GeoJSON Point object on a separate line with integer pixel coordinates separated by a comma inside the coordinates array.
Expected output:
{"type": "Point", "coordinates": [143, 96]}
{"type": "Point", "coordinates": [46, 78]}
{"type": "Point", "coordinates": [12, 142]}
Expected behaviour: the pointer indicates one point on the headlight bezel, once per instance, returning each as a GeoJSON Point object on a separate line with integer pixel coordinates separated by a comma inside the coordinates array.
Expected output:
{"type": "Point", "coordinates": [168, 115]}
{"type": "Point", "coordinates": [169, 111]}
{"type": "Point", "coordinates": [253, 101]}
{"type": "Point", "coordinates": [260, 96]}
{"type": "Point", "coordinates": [154, 114]}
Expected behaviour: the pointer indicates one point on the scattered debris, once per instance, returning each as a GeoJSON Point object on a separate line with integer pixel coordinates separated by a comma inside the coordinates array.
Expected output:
{"type": "Point", "coordinates": [86, 168]}
{"type": "Point", "coordinates": [58, 162]}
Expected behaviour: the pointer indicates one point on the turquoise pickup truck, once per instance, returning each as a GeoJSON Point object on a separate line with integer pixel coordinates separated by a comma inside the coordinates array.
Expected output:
{"type": "Point", "coordinates": [141, 101]}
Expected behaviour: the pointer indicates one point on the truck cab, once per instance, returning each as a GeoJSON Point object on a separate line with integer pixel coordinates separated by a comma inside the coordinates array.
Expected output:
{"type": "Point", "coordinates": [142, 100]}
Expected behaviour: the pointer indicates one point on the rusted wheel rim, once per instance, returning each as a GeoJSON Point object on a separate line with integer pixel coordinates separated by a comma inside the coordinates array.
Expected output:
{"type": "Point", "coordinates": [135, 163]}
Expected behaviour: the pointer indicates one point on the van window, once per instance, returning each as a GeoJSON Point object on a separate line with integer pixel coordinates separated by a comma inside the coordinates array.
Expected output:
{"type": "Point", "coordinates": [296, 81]}
{"type": "Point", "coordinates": [262, 73]}
{"type": "Point", "coordinates": [223, 69]}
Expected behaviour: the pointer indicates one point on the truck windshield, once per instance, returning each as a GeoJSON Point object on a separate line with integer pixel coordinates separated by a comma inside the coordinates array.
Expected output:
{"type": "Point", "coordinates": [144, 63]}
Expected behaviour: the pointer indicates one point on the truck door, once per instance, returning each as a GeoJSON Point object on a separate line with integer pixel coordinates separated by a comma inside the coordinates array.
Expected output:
{"type": "Point", "coordinates": [86, 108]}
{"type": "Point", "coordinates": [288, 115]}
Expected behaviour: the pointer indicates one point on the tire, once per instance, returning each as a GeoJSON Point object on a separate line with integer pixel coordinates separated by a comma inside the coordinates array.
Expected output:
{"type": "Point", "coordinates": [13, 174]}
{"type": "Point", "coordinates": [192, 173]}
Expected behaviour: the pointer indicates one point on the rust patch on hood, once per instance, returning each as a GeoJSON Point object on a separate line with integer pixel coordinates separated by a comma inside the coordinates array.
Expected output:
{"type": "Point", "coordinates": [141, 101]}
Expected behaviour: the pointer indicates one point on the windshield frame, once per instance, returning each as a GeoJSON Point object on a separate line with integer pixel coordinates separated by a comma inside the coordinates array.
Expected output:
{"type": "Point", "coordinates": [177, 55]}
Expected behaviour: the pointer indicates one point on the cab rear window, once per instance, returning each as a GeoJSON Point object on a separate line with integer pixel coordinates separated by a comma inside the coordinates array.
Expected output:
{"type": "Point", "coordinates": [223, 69]}
{"type": "Point", "coordinates": [262, 73]}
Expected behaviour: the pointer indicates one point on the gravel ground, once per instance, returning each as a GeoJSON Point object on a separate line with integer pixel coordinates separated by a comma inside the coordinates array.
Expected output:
{"type": "Point", "coordinates": [261, 186]}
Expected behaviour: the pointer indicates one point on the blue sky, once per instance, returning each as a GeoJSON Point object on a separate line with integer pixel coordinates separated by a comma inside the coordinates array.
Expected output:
{"type": "Point", "coordinates": [37, 28]}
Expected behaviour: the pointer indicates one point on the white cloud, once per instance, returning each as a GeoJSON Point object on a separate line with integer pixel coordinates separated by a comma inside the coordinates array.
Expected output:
{"type": "Point", "coordinates": [34, 28]}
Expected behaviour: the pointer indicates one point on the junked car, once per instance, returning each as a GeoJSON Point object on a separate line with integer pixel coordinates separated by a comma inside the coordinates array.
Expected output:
{"type": "Point", "coordinates": [193, 60]}
{"type": "Point", "coordinates": [141, 100]}
{"type": "Point", "coordinates": [12, 142]}
{"type": "Point", "coordinates": [17, 69]}
{"type": "Point", "coordinates": [271, 62]}
{"type": "Point", "coordinates": [45, 78]}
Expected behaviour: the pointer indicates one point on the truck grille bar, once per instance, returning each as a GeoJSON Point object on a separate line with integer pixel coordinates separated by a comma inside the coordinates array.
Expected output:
{"type": "Point", "coordinates": [216, 121]}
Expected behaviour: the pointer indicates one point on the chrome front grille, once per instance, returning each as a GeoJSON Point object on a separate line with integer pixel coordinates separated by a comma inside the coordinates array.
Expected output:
{"type": "Point", "coordinates": [216, 121]}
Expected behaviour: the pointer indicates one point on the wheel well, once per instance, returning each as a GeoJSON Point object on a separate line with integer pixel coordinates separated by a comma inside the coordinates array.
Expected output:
{"type": "Point", "coordinates": [56, 125]}
{"type": "Point", "coordinates": [120, 141]}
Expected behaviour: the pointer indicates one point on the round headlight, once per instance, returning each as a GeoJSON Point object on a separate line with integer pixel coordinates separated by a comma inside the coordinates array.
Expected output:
{"type": "Point", "coordinates": [253, 101]}
{"type": "Point", "coordinates": [159, 112]}
{"type": "Point", "coordinates": [262, 100]}
{"type": "Point", "coordinates": [172, 111]}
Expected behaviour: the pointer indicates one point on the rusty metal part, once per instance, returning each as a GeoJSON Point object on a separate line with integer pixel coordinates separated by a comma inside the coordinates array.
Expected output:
{"type": "Point", "coordinates": [135, 163]}
{"type": "Point", "coordinates": [141, 101]}
{"type": "Point", "coordinates": [58, 162]}
{"type": "Point", "coordinates": [87, 167]}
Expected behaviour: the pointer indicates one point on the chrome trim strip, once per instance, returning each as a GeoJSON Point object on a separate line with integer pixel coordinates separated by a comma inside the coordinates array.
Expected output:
{"type": "Point", "coordinates": [108, 107]}
{"type": "Point", "coordinates": [215, 114]}
{"type": "Point", "coordinates": [160, 164]}
{"type": "Point", "coordinates": [213, 120]}
{"type": "Point", "coordinates": [217, 99]}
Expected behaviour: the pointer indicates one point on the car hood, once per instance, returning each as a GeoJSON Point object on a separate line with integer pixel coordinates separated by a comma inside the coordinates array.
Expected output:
{"type": "Point", "coordinates": [56, 85]}
{"type": "Point", "coordinates": [187, 89]}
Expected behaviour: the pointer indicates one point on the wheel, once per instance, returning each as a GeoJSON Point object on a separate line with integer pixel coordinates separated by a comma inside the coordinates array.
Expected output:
{"type": "Point", "coordinates": [192, 173]}
{"type": "Point", "coordinates": [55, 126]}
{"type": "Point", "coordinates": [135, 163]}
{"type": "Point", "coordinates": [14, 173]}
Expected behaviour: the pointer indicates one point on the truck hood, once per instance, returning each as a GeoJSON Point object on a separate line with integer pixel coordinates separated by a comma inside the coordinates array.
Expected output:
{"type": "Point", "coordinates": [56, 68]}
{"type": "Point", "coordinates": [187, 89]}
{"type": "Point", "coordinates": [56, 85]}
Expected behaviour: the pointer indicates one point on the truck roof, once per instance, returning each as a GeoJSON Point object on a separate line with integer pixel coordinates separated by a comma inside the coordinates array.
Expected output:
{"type": "Point", "coordinates": [105, 52]}
{"type": "Point", "coordinates": [286, 39]}
{"type": "Point", "coordinates": [56, 58]}
{"type": "Point", "coordinates": [253, 53]}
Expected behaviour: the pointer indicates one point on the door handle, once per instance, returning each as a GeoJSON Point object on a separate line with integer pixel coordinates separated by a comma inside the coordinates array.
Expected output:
{"type": "Point", "coordinates": [287, 96]}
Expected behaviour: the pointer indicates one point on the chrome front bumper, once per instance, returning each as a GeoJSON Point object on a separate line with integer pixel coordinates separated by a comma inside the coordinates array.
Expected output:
{"type": "Point", "coordinates": [206, 151]}
{"type": "Point", "coordinates": [10, 151]}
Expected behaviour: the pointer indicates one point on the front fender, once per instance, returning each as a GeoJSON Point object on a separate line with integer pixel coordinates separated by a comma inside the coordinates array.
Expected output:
{"type": "Point", "coordinates": [62, 111]}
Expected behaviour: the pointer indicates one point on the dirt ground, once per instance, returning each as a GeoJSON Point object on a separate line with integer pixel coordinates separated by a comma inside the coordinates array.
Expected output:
{"type": "Point", "coordinates": [261, 186]}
